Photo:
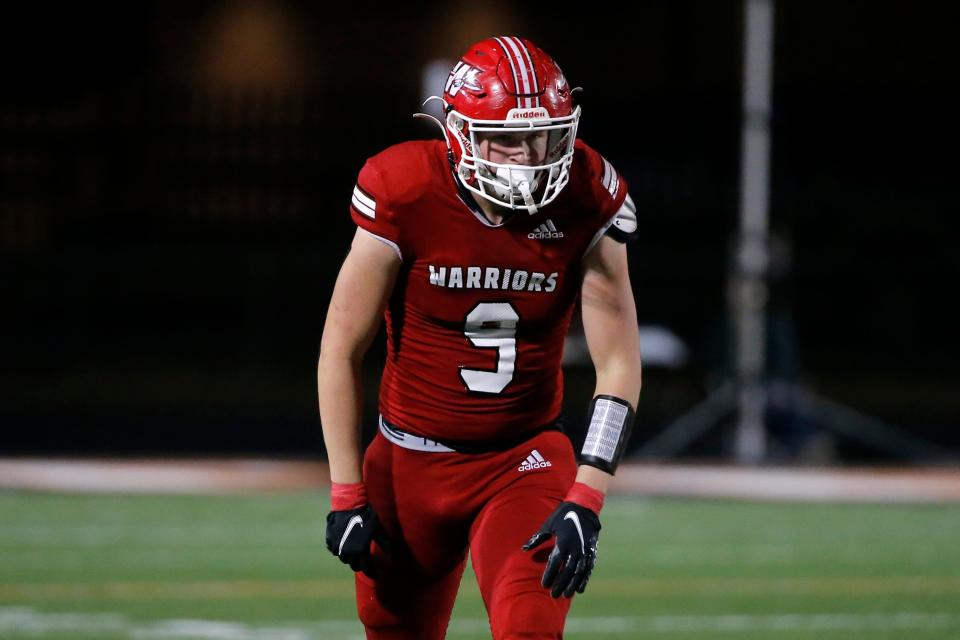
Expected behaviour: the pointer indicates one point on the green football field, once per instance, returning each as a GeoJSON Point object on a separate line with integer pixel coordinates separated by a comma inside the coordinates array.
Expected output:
{"type": "Point", "coordinates": [103, 567]}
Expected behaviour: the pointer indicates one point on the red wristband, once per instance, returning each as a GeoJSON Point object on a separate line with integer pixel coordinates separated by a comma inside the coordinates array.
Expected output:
{"type": "Point", "coordinates": [585, 496]}
{"type": "Point", "coordinates": [344, 497]}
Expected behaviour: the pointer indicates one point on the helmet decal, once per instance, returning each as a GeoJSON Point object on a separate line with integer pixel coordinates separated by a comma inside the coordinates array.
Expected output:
{"type": "Point", "coordinates": [462, 75]}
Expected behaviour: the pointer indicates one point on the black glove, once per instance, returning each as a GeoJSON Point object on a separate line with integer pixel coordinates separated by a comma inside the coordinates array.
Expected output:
{"type": "Point", "coordinates": [575, 551]}
{"type": "Point", "coordinates": [349, 534]}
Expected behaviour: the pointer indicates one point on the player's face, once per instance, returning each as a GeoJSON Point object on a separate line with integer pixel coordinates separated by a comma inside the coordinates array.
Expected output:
{"type": "Point", "coordinates": [519, 147]}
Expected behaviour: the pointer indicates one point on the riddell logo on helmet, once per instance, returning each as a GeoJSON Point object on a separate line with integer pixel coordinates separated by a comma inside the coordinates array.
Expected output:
{"type": "Point", "coordinates": [528, 114]}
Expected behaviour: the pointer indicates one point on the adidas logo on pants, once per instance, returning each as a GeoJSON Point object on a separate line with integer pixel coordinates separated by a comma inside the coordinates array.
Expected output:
{"type": "Point", "coordinates": [534, 461]}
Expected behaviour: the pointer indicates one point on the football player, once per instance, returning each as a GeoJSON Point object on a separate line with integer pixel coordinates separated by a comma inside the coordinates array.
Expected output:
{"type": "Point", "coordinates": [475, 250]}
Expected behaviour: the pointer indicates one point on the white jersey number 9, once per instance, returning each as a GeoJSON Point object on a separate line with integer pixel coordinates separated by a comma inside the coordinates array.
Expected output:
{"type": "Point", "coordinates": [492, 325]}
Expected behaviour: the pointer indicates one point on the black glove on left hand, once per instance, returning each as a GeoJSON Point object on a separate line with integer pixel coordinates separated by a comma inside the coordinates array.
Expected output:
{"type": "Point", "coordinates": [349, 534]}
{"type": "Point", "coordinates": [575, 551]}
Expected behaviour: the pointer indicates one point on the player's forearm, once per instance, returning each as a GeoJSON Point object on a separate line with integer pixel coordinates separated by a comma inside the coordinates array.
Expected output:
{"type": "Point", "coordinates": [341, 400]}
{"type": "Point", "coordinates": [621, 376]}
{"type": "Point", "coordinates": [593, 477]}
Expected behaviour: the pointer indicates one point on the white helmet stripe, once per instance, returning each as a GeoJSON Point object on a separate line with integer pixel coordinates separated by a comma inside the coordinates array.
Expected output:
{"type": "Point", "coordinates": [532, 70]}
{"type": "Point", "coordinates": [518, 64]}
{"type": "Point", "coordinates": [522, 66]}
{"type": "Point", "coordinates": [513, 68]}
{"type": "Point", "coordinates": [525, 64]}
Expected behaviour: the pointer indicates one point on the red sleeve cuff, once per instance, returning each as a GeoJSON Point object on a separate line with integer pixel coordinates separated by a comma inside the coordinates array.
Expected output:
{"type": "Point", "coordinates": [344, 497]}
{"type": "Point", "coordinates": [585, 496]}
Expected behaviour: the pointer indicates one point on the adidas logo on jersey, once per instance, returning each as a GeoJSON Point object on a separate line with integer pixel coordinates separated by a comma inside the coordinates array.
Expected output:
{"type": "Point", "coordinates": [546, 231]}
{"type": "Point", "coordinates": [534, 461]}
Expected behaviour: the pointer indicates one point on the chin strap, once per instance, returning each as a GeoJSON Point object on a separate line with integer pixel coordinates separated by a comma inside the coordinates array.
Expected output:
{"type": "Point", "coordinates": [524, 188]}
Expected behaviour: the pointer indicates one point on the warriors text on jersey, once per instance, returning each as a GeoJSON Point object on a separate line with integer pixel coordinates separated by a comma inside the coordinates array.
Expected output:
{"type": "Point", "coordinates": [479, 312]}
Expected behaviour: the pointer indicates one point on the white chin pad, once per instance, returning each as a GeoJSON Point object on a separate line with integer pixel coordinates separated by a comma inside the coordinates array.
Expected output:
{"type": "Point", "coordinates": [510, 179]}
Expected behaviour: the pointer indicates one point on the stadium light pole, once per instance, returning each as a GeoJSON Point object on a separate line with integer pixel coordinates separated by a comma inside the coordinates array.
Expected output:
{"type": "Point", "coordinates": [746, 395]}
{"type": "Point", "coordinates": [747, 288]}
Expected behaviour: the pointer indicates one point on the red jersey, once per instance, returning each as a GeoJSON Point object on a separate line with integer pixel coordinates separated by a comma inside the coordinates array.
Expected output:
{"type": "Point", "coordinates": [479, 312]}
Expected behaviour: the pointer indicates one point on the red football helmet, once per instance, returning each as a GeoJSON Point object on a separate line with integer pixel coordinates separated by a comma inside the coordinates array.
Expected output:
{"type": "Point", "coordinates": [510, 84]}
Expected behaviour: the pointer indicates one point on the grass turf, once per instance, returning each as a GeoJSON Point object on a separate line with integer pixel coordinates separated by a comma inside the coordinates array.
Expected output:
{"type": "Point", "coordinates": [102, 567]}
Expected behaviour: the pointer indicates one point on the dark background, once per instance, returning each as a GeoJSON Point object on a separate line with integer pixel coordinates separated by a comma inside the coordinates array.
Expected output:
{"type": "Point", "coordinates": [175, 181]}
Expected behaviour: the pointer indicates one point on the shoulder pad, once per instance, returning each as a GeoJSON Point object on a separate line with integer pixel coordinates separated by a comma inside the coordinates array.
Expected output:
{"type": "Point", "coordinates": [624, 227]}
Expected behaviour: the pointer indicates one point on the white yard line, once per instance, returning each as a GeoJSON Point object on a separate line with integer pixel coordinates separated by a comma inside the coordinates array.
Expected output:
{"type": "Point", "coordinates": [859, 587]}
{"type": "Point", "coordinates": [26, 621]}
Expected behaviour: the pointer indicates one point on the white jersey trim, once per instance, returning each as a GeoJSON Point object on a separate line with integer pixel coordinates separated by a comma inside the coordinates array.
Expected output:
{"type": "Point", "coordinates": [389, 243]}
{"type": "Point", "coordinates": [599, 235]}
{"type": "Point", "coordinates": [364, 203]}
{"type": "Point", "coordinates": [481, 217]}
{"type": "Point", "coordinates": [611, 181]}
